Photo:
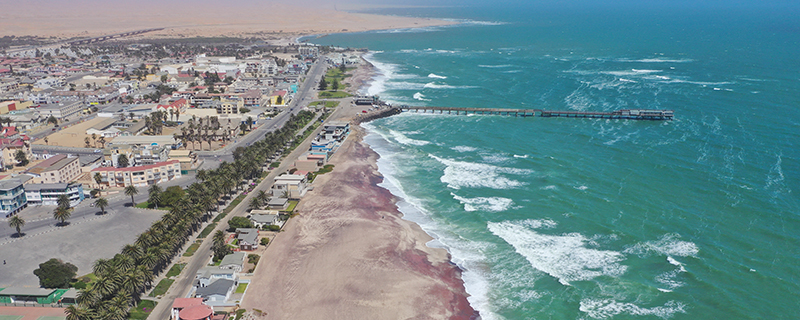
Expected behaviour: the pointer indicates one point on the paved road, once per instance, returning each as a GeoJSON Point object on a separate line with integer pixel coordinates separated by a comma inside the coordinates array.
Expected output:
{"type": "Point", "coordinates": [40, 218]}
{"type": "Point", "coordinates": [183, 284]}
{"type": "Point", "coordinates": [212, 159]}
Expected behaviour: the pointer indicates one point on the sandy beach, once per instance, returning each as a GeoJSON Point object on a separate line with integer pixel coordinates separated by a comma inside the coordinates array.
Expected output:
{"type": "Point", "coordinates": [348, 254]}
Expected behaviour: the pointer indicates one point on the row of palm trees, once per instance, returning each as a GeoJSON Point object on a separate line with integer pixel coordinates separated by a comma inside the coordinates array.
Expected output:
{"type": "Point", "coordinates": [209, 129]}
{"type": "Point", "coordinates": [123, 279]}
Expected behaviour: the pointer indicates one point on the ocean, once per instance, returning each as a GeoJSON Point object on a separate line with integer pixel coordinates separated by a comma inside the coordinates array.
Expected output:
{"type": "Point", "coordinates": [555, 218]}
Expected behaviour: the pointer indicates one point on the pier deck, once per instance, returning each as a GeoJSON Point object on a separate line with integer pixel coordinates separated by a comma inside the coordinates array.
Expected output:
{"type": "Point", "coordinates": [631, 114]}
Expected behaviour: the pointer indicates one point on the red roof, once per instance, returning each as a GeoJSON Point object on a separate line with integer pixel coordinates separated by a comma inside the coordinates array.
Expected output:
{"type": "Point", "coordinates": [198, 312]}
{"type": "Point", "coordinates": [139, 168]}
{"type": "Point", "coordinates": [9, 131]}
{"type": "Point", "coordinates": [181, 303]}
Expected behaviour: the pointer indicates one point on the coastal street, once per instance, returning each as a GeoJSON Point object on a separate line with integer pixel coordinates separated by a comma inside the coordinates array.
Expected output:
{"type": "Point", "coordinates": [213, 158]}
{"type": "Point", "coordinates": [182, 285]}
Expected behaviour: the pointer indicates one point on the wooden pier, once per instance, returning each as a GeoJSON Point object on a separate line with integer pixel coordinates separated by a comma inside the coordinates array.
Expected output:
{"type": "Point", "coordinates": [631, 114]}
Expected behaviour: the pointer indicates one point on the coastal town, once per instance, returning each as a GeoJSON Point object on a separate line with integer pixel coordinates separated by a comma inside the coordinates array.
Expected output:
{"type": "Point", "coordinates": [164, 171]}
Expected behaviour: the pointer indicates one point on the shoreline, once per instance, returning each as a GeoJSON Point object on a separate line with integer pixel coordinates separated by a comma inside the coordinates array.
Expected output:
{"type": "Point", "coordinates": [350, 254]}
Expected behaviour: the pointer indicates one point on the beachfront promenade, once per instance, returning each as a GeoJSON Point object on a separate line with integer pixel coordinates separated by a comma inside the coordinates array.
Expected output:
{"type": "Point", "coordinates": [630, 114]}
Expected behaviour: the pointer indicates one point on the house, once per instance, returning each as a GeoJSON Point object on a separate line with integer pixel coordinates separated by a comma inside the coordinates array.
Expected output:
{"type": "Point", "coordinates": [139, 176]}
{"type": "Point", "coordinates": [179, 106]}
{"type": "Point", "coordinates": [292, 186]}
{"type": "Point", "coordinates": [12, 197]}
{"type": "Point", "coordinates": [311, 161]}
{"type": "Point", "coordinates": [217, 292]}
{"type": "Point", "coordinates": [56, 169]}
{"type": "Point", "coordinates": [104, 128]}
{"type": "Point", "coordinates": [278, 203]}
{"type": "Point", "coordinates": [196, 312]}
{"type": "Point", "coordinates": [230, 104]}
{"type": "Point", "coordinates": [248, 238]}
{"type": "Point", "coordinates": [183, 303]}
{"type": "Point", "coordinates": [9, 151]}
{"type": "Point", "coordinates": [47, 193]}
{"type": "Point", "coordinates": [262, 218]}
{"type": "Point", "coordinates": [233, 261]}
{"type": "Point", "coordinates": [206, 275]}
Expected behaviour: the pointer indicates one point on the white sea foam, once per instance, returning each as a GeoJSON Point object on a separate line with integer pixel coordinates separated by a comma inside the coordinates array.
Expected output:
{"type": "Point", "coordinates": [495, 66]}
{"type": "Point", "coordinates": [401, 138]}
{"type": "Point", "coordinates": [668, 245]}
{"type": "Point", "coordinates": [411, 30]}
{"type": "Point", "coordinates": [581, 187]}
{"type": "Point", "coordinates": [488, 204]}
{"type": "Point", "coordinates": [464, 149]}
{"type": "Point", "coordinates": [524, 156]}
{"type": "Point", "coordinates": [404, 85]}
{"type": "Point", "coordinates": [564, 257]}
{"type": "Point", "coordinates": [656, 60]}
{"type": "Point", "coordinates": [550, 187]}
{"type": "Point", "coordinates": [539, 223]}
{"type": "Point", "coordinates": [467, 254]}
{"type": "Point", "coordinates": [631, 72]}
{"type": "Point", "coordinates": [432, 85]}
{"type": "Point", "coordinates": [421, 97]}
{"type": "Point", "coordinates": [607, 308]}
{"type": "Point", "coordinates": [436, 76]}
{"type": "Point", "coordinates": [462, 174]}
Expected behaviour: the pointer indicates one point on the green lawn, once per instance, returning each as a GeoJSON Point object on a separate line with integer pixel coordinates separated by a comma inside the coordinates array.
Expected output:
{"type": "Point", "coordinates": [192, 249]}
{"type": "Point", "coordinates": [292, 204]}
{"type": "Point", "coordinates": [241, 288]}
{"type": "Point", "coordinates": [334, 94]}
{"type": "Point", "coordinates": [207, 230]}
{"type": "Point", "coordinates": [161, 287]}
{"type": "Point", "coordinates": [175, 270]}
{"type": "Point", "coordinates": [234, 203]}
{"type": "Point", "coordinates": [328, 104]}
{"type": "Point", "coordinates": [141, 311]}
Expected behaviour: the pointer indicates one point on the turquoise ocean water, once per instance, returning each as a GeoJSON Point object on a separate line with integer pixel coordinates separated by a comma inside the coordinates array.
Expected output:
{"type": "Point", "coordinates": [696, 218]}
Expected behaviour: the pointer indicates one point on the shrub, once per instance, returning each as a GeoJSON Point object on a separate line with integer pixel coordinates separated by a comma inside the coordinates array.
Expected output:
{"type": "Point", "coordinates": [253, 258]}
{"type": "Point", "coordinates": [264, 241]}
{"type": "Point", "coordinates": [273, 227]}
{"type": "Point", "coordinates": [239, 222]}
{"type": "Point", "coordinates": [80, 285]}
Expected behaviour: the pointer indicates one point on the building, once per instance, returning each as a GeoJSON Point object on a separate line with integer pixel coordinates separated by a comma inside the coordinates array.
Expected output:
{"type": "Point", "coordinates": [179, 106]}
{"type": "Point", "coordinates": [61, 110]}
{"type": "Point", "coordinates": [56, 169]}
{"type": "Point", "coordinates": [206, 275]}
{"type": "Point", "coordinates": [12, 197]}
{"type": "Point", "coordinates": [292, 186]}
{"type": "Point", "coordinates": [47, 193]}
{"type": "Point", "coordinates": [35, 295]}
{"type": "Point", "coordinates": [167, 141]}
{"type": "Point", "coordinates": [233, 261]}
{"type": "Point", "coordinates": [139, 176]}
{"type": "Point", "coordinates": [196, 312]}
{"type": "Point", "coordinates": [183, 303]}
{"type": "Point", "coordinates": [263, 218]}
{"type": "Point", "coordinates": [230, 105]}
{"type": "Point", "coordinates": [9, 150]}
{"type": "Point", "coordinates": [105, 128]}
{"type": "Point", "coordinates": [248, 238]}
{"type": "Point", "coordinates": [278, 203]}
{"type": "Point", "coordinates": [217, 292]}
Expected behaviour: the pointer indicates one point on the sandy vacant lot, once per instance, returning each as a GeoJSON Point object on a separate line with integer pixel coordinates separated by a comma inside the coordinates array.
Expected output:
{"type": "Point", "coordinates": [73, 134]}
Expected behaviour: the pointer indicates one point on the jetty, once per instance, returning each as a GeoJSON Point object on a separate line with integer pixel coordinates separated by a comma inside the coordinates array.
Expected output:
{"type": "Point", "coordinates": [630, 114]}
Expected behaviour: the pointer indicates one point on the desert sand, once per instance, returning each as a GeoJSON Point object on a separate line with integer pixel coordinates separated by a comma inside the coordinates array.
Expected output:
{"type": "Point", "coordinates": [236, 18]}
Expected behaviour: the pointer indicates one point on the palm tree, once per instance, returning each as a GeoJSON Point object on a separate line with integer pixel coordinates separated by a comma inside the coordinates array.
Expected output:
{"type": "Point", "coordinates": [255, 204]}
{"type": "Point", "coordinates": [86, 141]}
{"type": "Point", "coordinates": [63, 201]}
{"type": "Point", "coordinates": [94, 139]}
{"type": "Point", "coordinates": [102, 141]}
{"type": "Point", "coordinates": [17, 223]}
{"type": "Point", "coordinates": [131, 191]}
{"type": "Point", "coordinates": [98, 178]}
{"type": "Point", "coordinates": [101, 203]}
{"type": "Point", "coordinates": [75, 312]}
{"type": "Point", "coordinates": [155, 195]}
{"type": "Point", "coordinates": [62, 214]}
